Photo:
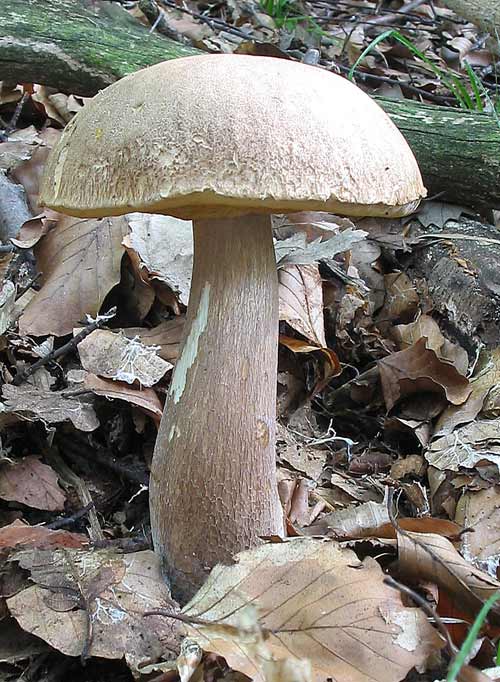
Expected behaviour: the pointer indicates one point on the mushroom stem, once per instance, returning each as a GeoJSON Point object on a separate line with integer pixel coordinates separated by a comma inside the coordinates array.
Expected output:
{"type": "Point", "coordinates": [213, 478]}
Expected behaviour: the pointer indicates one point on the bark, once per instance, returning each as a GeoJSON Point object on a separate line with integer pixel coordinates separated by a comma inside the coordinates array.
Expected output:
{"type": "Point", "coordinates": [213, 488]}
{"type": "Point", "coordinates": [484, 13]}
{"type": "Point", "coordinates": [82, 46]}
{"type": "Point", "coordinates": [459, 279]}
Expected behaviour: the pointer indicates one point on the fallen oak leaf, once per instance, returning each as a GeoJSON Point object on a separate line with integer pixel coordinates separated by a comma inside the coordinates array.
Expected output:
{"type": "Point", "coordinates": [316, 601]}
{"type": "Point", "coordinates": [296, 250]}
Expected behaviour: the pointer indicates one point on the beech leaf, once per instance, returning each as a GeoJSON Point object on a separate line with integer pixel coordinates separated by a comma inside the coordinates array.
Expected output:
{"type": "Point", "coordinates": [114, 356]}
{"type": "Point", "coordinates": [301, 301]}
{"type": "Point", "coordinates": [75, 588]}
{"type": "Point", "coordinates": [419, 369]}
{"type": "Point", "coordinates": [32, 483]}
{"type": "Point", "coordinates": [315, 601]}
{"type": "Point", "coordinates": [427, 556]}
{"type": "Point", "coordinates": [80, 262]}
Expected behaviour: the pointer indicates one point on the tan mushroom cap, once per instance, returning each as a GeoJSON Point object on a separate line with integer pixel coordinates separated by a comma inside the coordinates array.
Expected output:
{"type": "Point", "coordinates": [231, 134]}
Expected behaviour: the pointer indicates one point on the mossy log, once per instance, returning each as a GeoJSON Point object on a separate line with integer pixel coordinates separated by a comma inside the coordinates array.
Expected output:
{"type": "Point", "coordinates": [81, 46]}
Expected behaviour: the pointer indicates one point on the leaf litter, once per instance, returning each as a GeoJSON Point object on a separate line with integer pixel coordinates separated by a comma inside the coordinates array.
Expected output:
{"type": "Point", "coordinates": [362, 347]}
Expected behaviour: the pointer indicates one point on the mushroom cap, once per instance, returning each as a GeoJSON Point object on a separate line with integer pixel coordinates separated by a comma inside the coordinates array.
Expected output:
{"type": "Point", "coordinates": [223, 134]}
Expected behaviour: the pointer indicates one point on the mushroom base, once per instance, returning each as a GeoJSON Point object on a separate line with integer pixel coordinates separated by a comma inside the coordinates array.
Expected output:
{"type": "Point", "coordinates": [213, 487]}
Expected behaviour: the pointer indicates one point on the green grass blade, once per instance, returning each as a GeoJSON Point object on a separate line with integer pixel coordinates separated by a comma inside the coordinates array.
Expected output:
{"type": "Point", "coordinates": [367, 50]}
{"type": "Point", "coordinates": [476, 86]}
{"type": "Point", "coordinates": [457, 89]}
{"type": "Point", "coordinates": [466, 647]}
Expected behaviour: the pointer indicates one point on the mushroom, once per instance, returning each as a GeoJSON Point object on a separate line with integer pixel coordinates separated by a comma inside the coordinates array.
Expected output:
{"type": "Point", "coordinates": [227, 140]}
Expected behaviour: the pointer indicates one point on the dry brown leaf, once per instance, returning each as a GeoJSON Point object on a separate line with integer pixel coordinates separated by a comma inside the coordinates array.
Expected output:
{"type": "Point", "coordinates": [165, 246]}
{"type": "Point", "coordinates": [29, 172]}
{"type": "Point", "coordinates": [331, 362]}
{"type": "Point", "coordinates": [31, 482]}
{"type": "Point", "coordinates": [467, 446]}
{"type": "Point", "coordinates": [115, 589]}
{"type": "Point", "coordinates": [31, 232]}
{"type": "Point", "coordinates": [480, 510]}
{"type": "Point", "coordinates": [408, 334]}
{"type": "Point", "coordinates": [347, 489]}
{"type": "Point", "coordinates": [32, 403]}
{"type": "Point", "coordinates": [18, 534]}
{"type": "Point", "coordinates": [144, 398]}
{"type": "Point", "coordinates": [426, 556]}
{"type": "Point", "coordinates": [19, 147]}
{"type": "Point", "coordinates": [352, 522]}
{"type": "Point", "coordinates": [315, 601]}
{"type": "Point", "coordinates": [80, 261]}
{"type": "Point", "coordinates": [167, 336]}
{"type": "Point", "coordinates": [486, 379]}
{"type": "Point", "coordinates": [301, 301]}
{"type": "Point", "coordinates": [418, 369]}
{"type": "Point", "coordinates": [57, 105]}
{"type": "Point", "coordinates": [371, 519]}
{"type": "Point", "coordinates": [114, 356]}
{"type": "Point", "coordinates": [306, 460]}
{"type": "Point", "coordinates": [409, 465]}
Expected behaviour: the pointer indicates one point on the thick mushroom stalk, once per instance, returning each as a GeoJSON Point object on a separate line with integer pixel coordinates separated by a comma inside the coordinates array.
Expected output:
{"type": "Point", "coordinates": [213, 476]}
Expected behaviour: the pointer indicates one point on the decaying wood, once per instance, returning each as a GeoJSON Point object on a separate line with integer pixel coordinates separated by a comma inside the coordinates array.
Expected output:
{"type": "Point", "coordinates": [458, 274]}
{"type": "Point", "coordinates": [82, 46]}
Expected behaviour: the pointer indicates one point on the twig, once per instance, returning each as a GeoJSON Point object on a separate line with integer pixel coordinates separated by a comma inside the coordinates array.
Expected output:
{"type": "Point", "coordinates": [78, 452]}
{"type": "Point", "coordinates": [95, 531]}
{"type": "Point", "coordinates": [66, 348]}
{"type": "Point", "coordinates": [211, 21]}
{"type": "Point", "coordinates": [365, 75]}
{"type": "Point", "coordinates": [406, 9]}
{"type": "Point", "coordinates": [85, 602]}
{"type": "Point", "coordinates": [453, 235]}
{"type": "Point", "coordinates": [340, 392]}
{"type": "Point", "coordinates": [68, 520]}
{"type": "Point", "coordinates": [10, 127]}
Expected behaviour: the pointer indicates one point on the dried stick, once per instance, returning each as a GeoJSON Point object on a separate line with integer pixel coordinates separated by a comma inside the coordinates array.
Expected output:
{"type": "Point", "coordinates": [100, 321]}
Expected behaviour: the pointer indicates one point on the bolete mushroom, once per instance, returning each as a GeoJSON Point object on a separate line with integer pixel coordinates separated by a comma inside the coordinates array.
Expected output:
{"type": "Point", "coordinates": [227, 140]}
